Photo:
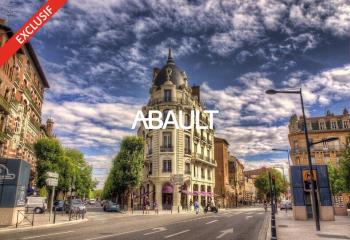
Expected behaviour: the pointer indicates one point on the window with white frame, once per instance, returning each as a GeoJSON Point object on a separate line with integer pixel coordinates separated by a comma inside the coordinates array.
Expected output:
{"type": "Point", "coordinates": [166, 165]}
{"type": "Point", "coordinates": [334, 125]}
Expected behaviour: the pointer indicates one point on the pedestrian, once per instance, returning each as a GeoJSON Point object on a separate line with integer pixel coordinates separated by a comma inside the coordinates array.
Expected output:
{"type": "Point", "coordinates": [147, 205]}
{"type": "Point", "coordinates": [155, 206]}
{"type": "Point", "coordinates": [196, 206]}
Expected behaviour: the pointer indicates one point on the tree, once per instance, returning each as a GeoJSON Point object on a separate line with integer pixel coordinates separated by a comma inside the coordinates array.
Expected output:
{"type": "Point", "coordinates": [336, 180]}
{"type": "Point", "coordinates": [49, 153]}
{"type": "Point", "coordinates": [74, 172]}
{"type": "Point", "coordinates": [344, 165]}
{"type": "Point", "coordinates": [126, 171]}
{"type": "Point", "coordinates": [262, 183]}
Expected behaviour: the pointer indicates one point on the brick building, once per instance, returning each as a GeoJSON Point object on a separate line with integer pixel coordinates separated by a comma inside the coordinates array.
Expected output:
{"type": "Point", "coordinates": [22, 86]}
{"type": "Point", "coordinates": [224, 193]}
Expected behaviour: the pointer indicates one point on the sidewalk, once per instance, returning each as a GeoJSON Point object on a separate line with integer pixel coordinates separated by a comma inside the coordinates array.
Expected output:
{"type": "Point", "coordinates": [42, 221]}
{"type": "Point", "coordinates": [289, 229]}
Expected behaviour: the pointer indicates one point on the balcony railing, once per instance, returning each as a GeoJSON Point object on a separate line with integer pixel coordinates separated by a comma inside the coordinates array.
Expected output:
{"type": "Point", "coordinates": [166, 149]}
{"type": "Point", "coordinates": [188, 151]}
{"type": "Point", "coordinates": [200, 156]}
{"type": "Point", "coordinates": [149, 151]}
{"type": "Point", "coordinates": [320, 149]}
{"type": "Point", "coordinates": [155, 101]}
{"type": "Point", "coordinates": [188, 172]}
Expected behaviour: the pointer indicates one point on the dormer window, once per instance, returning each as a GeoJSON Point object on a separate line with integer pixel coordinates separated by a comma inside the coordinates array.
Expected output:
{"type": "Point", "coordinates": [167, 95]}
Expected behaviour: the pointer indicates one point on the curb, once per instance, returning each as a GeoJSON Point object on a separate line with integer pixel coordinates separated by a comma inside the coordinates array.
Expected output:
{"type": "Point", "coordinates": [43, 226]}
{"type": "Point", "coordinates": [266, 234]}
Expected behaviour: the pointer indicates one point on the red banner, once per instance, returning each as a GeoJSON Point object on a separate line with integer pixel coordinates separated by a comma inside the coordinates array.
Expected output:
{"type": "Point", "coordinates": [29, 29]}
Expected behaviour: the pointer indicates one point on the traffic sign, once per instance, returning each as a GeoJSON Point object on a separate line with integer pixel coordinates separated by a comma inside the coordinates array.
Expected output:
{"type": "Point", "coordinates": [52, 182]}
{"type": "Point", "coordinates": [52, 174]}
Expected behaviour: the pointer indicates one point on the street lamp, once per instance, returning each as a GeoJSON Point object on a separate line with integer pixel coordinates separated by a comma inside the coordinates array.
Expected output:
{"type": "Point", "coordinates": [308, 145]}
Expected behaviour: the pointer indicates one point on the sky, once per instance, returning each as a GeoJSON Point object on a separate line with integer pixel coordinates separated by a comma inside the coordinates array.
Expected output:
{"type": "Point", "coordinates": [98, 57]}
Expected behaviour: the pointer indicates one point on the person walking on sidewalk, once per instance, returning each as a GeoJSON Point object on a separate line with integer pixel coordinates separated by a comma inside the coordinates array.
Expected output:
{"type": "Point", "coordinates": [196, 206]}
{"type": "Point", "coordinates": [155, 206]}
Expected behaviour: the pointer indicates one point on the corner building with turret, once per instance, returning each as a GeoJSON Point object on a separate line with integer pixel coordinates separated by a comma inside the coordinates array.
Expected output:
{"type": "Point", "coordinates": [179, 163]}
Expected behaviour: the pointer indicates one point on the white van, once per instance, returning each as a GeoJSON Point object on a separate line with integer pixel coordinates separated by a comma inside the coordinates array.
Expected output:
{"type": "Point", "coordinates": [36, 204]}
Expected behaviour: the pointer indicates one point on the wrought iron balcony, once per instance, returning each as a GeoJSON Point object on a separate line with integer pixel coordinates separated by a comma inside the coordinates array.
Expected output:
{"type": "Point", "coordinates": [166, 149]}
{"type": "Point", "coordinates": [188, 151]}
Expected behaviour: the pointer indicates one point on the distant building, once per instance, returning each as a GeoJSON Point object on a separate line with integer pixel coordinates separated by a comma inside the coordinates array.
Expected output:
{"type": "Point", "coordinates": [319, 128]}
{"type": "Point", "coordinates": [22, 86]}
{"type": "Point", "coordinates": [237, 179]}
{"type": "Point", "coordinates": [179, 163]}
{"type": "Point", "coordinates": [224, 193]}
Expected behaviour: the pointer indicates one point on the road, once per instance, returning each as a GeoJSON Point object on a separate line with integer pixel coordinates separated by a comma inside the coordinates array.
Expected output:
{"type": "Point", "coordinates": [245, 223]}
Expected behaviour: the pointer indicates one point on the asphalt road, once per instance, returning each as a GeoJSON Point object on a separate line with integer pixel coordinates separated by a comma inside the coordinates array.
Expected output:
{"type": "Point", "coordinates": [245, 223]}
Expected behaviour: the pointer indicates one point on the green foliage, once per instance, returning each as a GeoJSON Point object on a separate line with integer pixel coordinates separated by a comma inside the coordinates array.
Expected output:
{"type": "Point", "coordinates": [262, 183]}
{"type": "Point", "coordinates": [43, 192]}
{"type": "Point", "coordinates": [49, 153]}
{"type": "Point", "coordinates": [337, 182]}
{"type": "Point", "coordinates": [126, 171]}
{"type": "Point", "coordinates": [74, 172]}
{"type": "Point", "coordinates": [344, 166]}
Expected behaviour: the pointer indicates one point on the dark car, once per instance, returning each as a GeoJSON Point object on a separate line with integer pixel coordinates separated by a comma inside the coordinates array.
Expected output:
{"type": "Point", "coordinates": [75, 205]}
{"type": "Point", "coordinates": [110, 206]}
{"type": "Point", "coordinates": [59, 205]}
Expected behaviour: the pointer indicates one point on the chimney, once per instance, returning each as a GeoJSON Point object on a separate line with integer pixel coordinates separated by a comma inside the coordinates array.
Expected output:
{"type": "Point", "coordinates": [196, 92]}
{"type": "Point", "coordinates": [2, 21]}
{"type": "Point", "coordinates": [49, 127]}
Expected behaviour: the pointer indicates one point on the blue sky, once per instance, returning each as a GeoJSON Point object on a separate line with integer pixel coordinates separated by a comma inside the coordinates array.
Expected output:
{"type": "Point", "coordinates": [98, 57]}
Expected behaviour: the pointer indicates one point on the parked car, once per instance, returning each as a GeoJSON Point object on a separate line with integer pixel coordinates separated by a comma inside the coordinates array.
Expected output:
{"type": "Point", "coordinates": [59, 205]}
{"type": "Point", "coordinates": [92, 201]}
{"type": "Point", "coordinates": [111, 207]}
{"type": "Point", "coordinates": [286, 204]}
{"type": "Point", "coordinates": [74, 205]}
{"type": "Point", "coordinates": [36, 204]}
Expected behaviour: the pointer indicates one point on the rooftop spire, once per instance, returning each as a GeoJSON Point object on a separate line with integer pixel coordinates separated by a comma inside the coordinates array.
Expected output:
{"type": "Point", "coordinates": [170, 58]}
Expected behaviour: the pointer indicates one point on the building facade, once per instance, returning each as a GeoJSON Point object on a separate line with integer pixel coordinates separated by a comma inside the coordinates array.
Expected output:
{"type": "Point", "coordinates": [236, 179]}
{"type": "Point", "coordinates": [224, 193]}
{"type": "Point", "coordinates": [22, 86]}
{"type": "Point", "coordinates": [179, 163]}
{"type": "Point", "coordinates": [319, 128]}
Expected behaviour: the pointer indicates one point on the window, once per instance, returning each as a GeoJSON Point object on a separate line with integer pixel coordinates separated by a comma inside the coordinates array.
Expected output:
{"type": "Point", "coordinates": [187, 145]}
{"type": "Point", "coordinates": [208, 155]}
{"type": "Point", "coordinates": [17, 125]}
{"type": "Point", "coordinates": [166, 165]}
{"type": "Point", "coordinates": [325, 145]}
{"type": "Point", "coordinates": [202, 152]}
{"type": "Point", "coordinates": [345, 124]}
{"type": "Point", "coordinates": [187, 168]}
{"type": "Point", "coordinates": [322, 126]}
{"type": "Point", "coordinates": [150, 145]}
{"type": "Point", "coordinates": [194, 171]}
{"type": "Point", "coordinates": [209, 174]}
{"type": "Point", "coordinates": [150, 169]}
{"type": "Point", "coordinates": [313, 160]}
{"type": "Point", "coordinates": [334, 125]}
{"type": "Point", "coordinates": [187, 120]}
{"type": "Point", "coordinates": [167, 95]}
{"type": "Point", "coordinates": [202, 173]}
{"type": "Point", "coordinates": [167, 139]}
{"type": "Point", "coordinates": [195, 147]}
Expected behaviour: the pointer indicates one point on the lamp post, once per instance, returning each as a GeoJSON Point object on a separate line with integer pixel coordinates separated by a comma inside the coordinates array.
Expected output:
{"type": "Point", "coordinates": [313, 185]}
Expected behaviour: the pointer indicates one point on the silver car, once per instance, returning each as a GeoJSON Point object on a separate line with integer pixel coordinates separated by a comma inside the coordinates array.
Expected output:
{"type": "Point", "coordinates": [36, 204]}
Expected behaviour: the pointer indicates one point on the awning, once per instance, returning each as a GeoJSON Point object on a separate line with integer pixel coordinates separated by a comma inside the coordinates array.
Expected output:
{"type": "Point", "coordinates": [167, 189]}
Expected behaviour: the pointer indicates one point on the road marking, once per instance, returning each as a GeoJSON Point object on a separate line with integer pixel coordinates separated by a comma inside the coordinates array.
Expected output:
{"type": "Point", "coordinates": [175, 234]}
{"type": "Point", "coordinates": [156, 230]}
{"type": "Point", "coordinates": [247, 217]}
{"type": "Point", "coordinates": [212, 221]}
{"type": "Point", "coordinates": [46, 235]}
{"type": "Point", "coordinates": [224, 232]}
{"type": "Point", "coordinates": [260, 213]}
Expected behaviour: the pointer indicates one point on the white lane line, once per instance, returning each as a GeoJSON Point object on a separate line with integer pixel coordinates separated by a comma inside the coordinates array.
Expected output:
{"type": "Point", "coordinates": [247, 217]}
{"type": "Point", "coordinates": [46, 235]}
{"type": "Point", "coordinates": [175, 234]}
{"type": "Point", "coordinates": [156, 230]}
{"type": "Point", "coordinates": [260, 213]}
{"type": "Point", "coordinates": [212, 221]}
{"type": "Point", "coordinates": [224, 232]}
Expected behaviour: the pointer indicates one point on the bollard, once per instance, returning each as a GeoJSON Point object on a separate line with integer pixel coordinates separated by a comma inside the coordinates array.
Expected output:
{"type": "Point", "coordinates": [70, 214]}
{"type": "Point", "coordinates": [33, 219]}
{"type": "Point", "coordinates": [54, 216]}
{"type": "Point", "coordinates": [178, 209]}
